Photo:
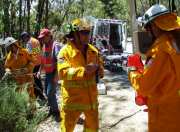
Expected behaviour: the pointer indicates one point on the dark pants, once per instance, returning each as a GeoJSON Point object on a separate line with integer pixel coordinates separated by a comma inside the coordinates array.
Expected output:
{"type": "Point", "coordinates": [38, 84]}
{"type": "Point", "coordinates": [50, 89]}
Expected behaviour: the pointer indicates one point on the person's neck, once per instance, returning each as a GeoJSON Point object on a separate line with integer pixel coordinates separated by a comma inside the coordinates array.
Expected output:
{"type": "Point", "coordinates": [49, 42]}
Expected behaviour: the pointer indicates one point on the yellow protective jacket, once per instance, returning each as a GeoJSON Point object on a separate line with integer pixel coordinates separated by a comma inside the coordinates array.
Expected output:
{"type": "Point", "coordinates": [79, 92]}
{"type": "Point", "coordinates": [19, 61]}
{"type": "Point", "coordinates": [161, 83]}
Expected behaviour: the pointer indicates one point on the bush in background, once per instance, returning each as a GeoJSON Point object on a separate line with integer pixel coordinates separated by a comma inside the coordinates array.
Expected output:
{"type": "Point", "coordinates": [15, 112]}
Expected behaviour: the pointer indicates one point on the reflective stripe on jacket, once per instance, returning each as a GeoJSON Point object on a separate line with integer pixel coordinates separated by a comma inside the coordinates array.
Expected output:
{"type": "Point", "coordinates": [79, 84]}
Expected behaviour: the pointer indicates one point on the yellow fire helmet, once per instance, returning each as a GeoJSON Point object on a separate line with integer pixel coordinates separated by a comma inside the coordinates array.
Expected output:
{"type": "Point", "coordinates": [81, 24]}
{"type": "Point", "coordinates": [78, 24]}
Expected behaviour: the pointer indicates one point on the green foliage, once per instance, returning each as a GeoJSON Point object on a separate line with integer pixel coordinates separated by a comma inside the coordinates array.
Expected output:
{"type": "Point", "coordinates": [13, 107]}
{"type": "Point", "coordinates": [15, 111]}
{"type": "Point", "coordinates": [96, 10]}
{"type": "Point", "coordinates": [109, 7]}
{"type": "Point", "coordinates": [55, 18]}
{"type": "Point", "coordinates": [60, 12]}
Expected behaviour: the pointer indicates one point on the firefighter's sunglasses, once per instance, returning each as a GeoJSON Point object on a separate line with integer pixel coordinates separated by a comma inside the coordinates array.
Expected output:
{"type": "Point", "coordinates": [85, 32]}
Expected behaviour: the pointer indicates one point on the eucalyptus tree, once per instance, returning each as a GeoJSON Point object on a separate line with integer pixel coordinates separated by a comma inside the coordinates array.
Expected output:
{"type": "Point", "coordinates": [46, 13]}
{"type": "Point", "coordinates": [171, 4]}
{"type": "Point", "coordinates": [6, 16]}
{"type": "Point", "coordinates": [20, 15]}
{"type": "Point", "coordinates": [28, 14]}
{"type": "Point", "coordinates": [109, 7]}
{"type": "Point", "coordinates": [39, 15]}
{"type": "Point", "coordinates": [60, 12]}
{"type": "Point", "coordinates": [95, 10]}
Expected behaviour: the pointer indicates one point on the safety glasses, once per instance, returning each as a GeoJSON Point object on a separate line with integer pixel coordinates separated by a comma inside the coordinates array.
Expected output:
{"type": "Point", "coordinates": [85, 32]}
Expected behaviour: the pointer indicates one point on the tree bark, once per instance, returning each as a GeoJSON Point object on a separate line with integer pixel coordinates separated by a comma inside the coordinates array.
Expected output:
{"type": "Point", "coordinates": [13, 18]}
{"type": "Point", "coordinates": [152, 2]}
{"type": "Point", "coordinates": [134, 26]}
{"type": "Point", "coordinates": [20, 16]}
{"type": "Point", "coordinates": [39, 16]}
{"type": "Point", "coordinates": [82, 10]}
{"type": "Point", "coordinates": [70, 2]}
{"type": "Point", "coordinates": [24, 15]}
{"type": "Point", "coordinates": [174, 9]}
{"type": "Point", "coordinates": [6, 18]}
{"type": "Point", "coordinates": [28, 15]}
{"type": "Point", "coordinates": [46, 13]}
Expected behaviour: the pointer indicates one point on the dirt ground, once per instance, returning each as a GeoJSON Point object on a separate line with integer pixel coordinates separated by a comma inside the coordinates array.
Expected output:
{"type": "Point", "coordinates": [117, 110]}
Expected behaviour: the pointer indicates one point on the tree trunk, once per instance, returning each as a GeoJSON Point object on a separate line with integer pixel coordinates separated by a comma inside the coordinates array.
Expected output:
{"type": "Point", "coordinates": [133, 23]}
{"type": "Point", "coordinates": [6, 18]}
{"type": "Point", "coordinates": [70, 2]}
{"type": "Point", "coordinates": [82, 10]}
{"type": "Point", "coordinates": [39, 16]}
{"type": "Point", "coordinates": [13, 18]}
{"type": "Point", "coordinates": [46, 13]}
{"type": "Point", "coordinates": [20, 16]}
{"type": "Point", "coordinates": [174, 9]}
{"type": "Point", "coordinates": [24, 14]}
{"type": "Point", "coordinates": [152, 2]}
{"type": "Point", "coordinates": [28, 15]}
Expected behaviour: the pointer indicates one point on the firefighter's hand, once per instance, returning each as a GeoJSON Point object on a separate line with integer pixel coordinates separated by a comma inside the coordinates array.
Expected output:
{"type": "Point", "coordinates": [7, 74]}
{"type": "Point", "coordinates": [38, 74]}
{"type": "Point", "coordinates": [8, 71]}
{"type": "Point", "coordinates": [91, 69]}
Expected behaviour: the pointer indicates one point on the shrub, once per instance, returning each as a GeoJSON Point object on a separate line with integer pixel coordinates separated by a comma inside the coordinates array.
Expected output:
{"type": "Point", "coordinates": [14, 108]}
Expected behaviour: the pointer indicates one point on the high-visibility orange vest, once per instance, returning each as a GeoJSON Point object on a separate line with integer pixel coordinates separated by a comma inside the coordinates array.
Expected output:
{"type": "Point", "coordinates": [48, 58]}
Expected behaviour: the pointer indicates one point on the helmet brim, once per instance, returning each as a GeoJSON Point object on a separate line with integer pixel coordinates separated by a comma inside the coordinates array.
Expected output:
{"type": "Point", "coordinates": [168, 22]}
{"type": "Point", "coordinates": [9, 41]}
{"type": "Point", "coordinates": [146, 22]}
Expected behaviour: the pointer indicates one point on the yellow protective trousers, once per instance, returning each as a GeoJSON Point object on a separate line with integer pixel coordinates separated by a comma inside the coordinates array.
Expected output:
{"type": "Point", "coordinates": [70, 118]}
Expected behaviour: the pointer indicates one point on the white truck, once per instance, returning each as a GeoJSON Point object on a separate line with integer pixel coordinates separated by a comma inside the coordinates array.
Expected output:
{"type": "Point", "coordinates": [111, 30]}
{"type": "Point", "coordinates": [114, 32]}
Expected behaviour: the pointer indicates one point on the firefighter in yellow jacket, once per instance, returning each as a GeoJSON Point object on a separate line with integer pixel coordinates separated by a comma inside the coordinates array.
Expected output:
{"type": "Point", "coordinates": [79, 64]}
{"type": "Point", "coordinates": [20, 64]}
{"type": "Point", "coordinates": [160, 81]}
